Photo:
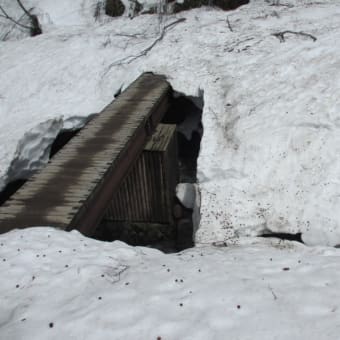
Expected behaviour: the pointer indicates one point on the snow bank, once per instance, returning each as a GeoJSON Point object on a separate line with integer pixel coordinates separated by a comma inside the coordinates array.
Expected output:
{"type": "Point", "coordinates": [63, 285]}
{"type": "Point", "coordinates": [271, 116]}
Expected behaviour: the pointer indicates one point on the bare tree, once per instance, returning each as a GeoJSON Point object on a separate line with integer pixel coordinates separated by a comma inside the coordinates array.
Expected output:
{"type": "Point", "coordinates": [33, 26]}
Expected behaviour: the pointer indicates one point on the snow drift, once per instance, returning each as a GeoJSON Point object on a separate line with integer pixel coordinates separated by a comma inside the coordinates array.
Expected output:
{"type": "Point", "coordinates": [63, 285]}
{"type": "Point", "coordinates": [269, 154]}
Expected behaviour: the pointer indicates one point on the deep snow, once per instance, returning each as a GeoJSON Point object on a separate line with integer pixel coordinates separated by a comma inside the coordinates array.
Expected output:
{"type": "Point", "coordinates": [96, 290]}
{"type": "Point", "coordinates": [269, 157]}
{"type": "Point", "coordinates": [269, 161]}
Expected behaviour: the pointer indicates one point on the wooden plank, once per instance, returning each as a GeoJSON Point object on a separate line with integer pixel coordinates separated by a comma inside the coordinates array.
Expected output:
{"type": "Point", "coordinates": [75, 184]}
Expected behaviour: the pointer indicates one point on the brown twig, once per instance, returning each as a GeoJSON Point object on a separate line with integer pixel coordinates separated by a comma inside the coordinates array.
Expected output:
{"type": "Point", "coordinates": [6, 16]}
{"type": "Point", "coordinates": [273, 293]}
{"type": "Point", "coordinates": [35, 28]}
{"type": "Point", "coordinates": [130, 59]}
{"type": "Point", "coordinates": [117, 275]}
{"type": "Point", "coordinates": [281, 35]}
{"type": "Point", "coordinates": [24, 9]}
{"type": "Point", "coordinates": [229, 25]}
{"type": "Point", "coordinates": [5, 35]}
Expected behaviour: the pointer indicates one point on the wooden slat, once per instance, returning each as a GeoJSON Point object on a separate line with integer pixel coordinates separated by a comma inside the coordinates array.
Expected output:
{"type": "Point", "coordinates": [74, 182]}
{"type": "Point", "coordinates": [144, 192]}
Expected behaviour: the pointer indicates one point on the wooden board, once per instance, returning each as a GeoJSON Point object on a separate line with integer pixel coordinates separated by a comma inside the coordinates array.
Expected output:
{"type": "Point", "coordinates": [76, 186]}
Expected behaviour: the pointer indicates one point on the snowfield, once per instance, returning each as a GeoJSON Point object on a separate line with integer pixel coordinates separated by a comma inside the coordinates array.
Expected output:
{"type": "Point", "coordinates": [269, 155]}
{"type": "Point", "coordinates": [64, 286]}
{"type": "Point", "coordinates": [269, 162]}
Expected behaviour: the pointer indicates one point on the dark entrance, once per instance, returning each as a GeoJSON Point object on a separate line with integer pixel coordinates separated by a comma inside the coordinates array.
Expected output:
{"type": "Point", "coordinates": [145, 211]}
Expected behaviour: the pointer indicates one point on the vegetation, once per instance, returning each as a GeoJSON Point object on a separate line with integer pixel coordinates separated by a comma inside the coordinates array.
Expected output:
{"type": "Point", "coordinates": [33, 24]}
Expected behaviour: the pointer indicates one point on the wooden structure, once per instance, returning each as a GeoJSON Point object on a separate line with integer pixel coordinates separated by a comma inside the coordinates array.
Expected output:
{"type": "Point", "coordinates": [75, 188]}
{"type": "Point", "coordinates": [147, 193]}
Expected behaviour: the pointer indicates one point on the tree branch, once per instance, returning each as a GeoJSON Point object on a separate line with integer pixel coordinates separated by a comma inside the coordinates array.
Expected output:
{"type": "Point", "coordinates": [24, 9]}
{"type": "Point", "coordinates": [229, 25]}
{"type": "Point", "coordinates": [130, 59]}
{"type": "Point", "coordinates": [273, 293]}
{"type": "Point", "coordinates": [34, 29]}
{"type": "Point", "coordinates": [6, 16]}
{"type": "Point", "coordinates": [5, 35]}
{"type": "Point", "coordinates": [281, 35]}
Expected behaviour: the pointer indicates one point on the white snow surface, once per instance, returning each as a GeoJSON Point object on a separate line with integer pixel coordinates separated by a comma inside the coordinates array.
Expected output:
{"type": "Point", "coordinates": [269, 157]}
{"type": "Point", "coordinates": [59, 285]}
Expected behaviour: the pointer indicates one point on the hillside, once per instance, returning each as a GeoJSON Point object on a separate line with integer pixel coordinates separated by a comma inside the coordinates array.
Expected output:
{"type": "Point", "coordinates": [268, 159]}
{"type": "Point", "coordinates": [267, 74]}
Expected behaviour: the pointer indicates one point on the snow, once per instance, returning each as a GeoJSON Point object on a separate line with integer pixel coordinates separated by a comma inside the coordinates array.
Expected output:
{"type": "Point", "coordinates": [186, 193]}
{"type": "Point", "coordinates": [189, 195]}
{"type": "Point", "coordinates": [268, 160]}
{"type": "Point", "coordinates": [97, 290]}
{"type": "Point", "coordinates": [65, 13]}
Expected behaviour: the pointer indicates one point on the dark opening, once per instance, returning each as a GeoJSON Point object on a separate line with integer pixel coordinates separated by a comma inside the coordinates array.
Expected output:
{"type": "Point", "coordinates": [11, 188]}
{"type": "Point", "coordinates": [62, 139]}
{"type": "Point", "coordinates": [284, 236]}
{"type": "Point", "coordinates": [114, 8]}
{"type": "Point", "coordinates": [225, 5]}
{"type": "Point", "coordinates": [188, 118]}
{"type": "Point", "coordinates": [185, 113]}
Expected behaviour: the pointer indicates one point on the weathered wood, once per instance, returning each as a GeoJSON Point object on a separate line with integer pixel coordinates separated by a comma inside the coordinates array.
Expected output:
{"type": "Point", "coordinates": [148, 191]}
{"type": "Point", "coordinates": [77, 184]}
